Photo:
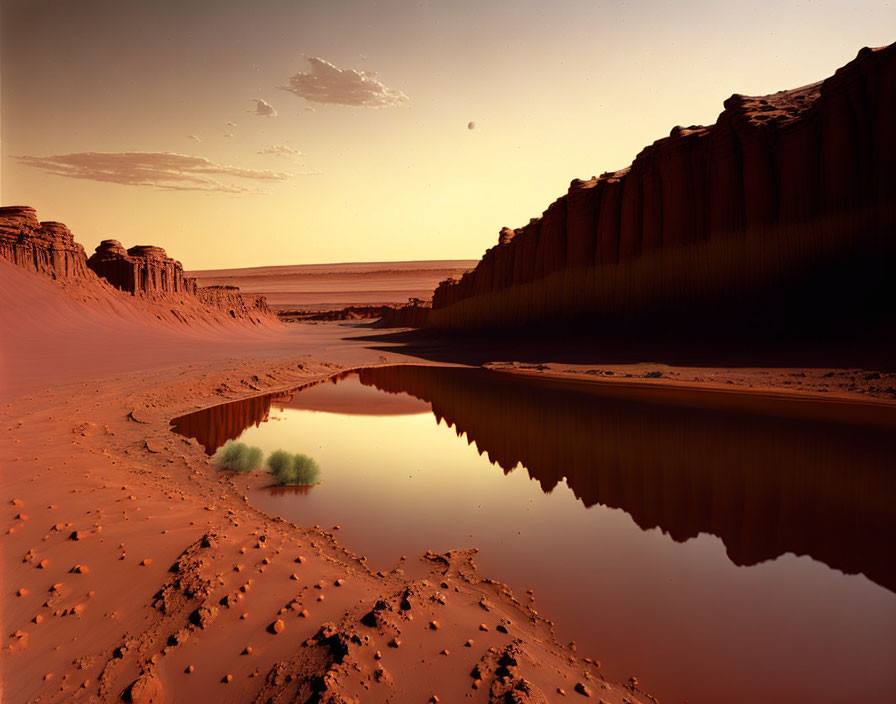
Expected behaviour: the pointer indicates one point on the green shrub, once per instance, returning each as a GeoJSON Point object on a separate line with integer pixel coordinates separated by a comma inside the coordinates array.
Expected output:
{"type": "Point", "coordinates": [238, 457]}
{"type": "Point", "coordinates": [298, 470]}
{"type": "Point", "coordinates": [278, 461]}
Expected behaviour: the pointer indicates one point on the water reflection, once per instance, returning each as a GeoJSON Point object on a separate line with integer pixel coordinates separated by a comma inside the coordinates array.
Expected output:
{"type": "Point", "coordinates": [765, 484]}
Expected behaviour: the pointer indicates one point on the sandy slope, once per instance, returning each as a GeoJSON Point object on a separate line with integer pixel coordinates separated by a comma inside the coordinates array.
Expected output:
{"type": "Point", "coordinates": [131, 567]}
{"type": "Point", "coordinates": [333, 286]}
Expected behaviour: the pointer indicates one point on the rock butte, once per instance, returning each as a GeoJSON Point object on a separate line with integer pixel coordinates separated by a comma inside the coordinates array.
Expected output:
{"type": "Point", "coordinates": [144, 271]}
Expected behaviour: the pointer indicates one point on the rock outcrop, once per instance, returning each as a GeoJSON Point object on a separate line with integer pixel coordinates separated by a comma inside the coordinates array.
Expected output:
{"type": "Point", "coordinates": [141, 269]}
{"type": "Point", "coordinates": [144, 271]}
{"type": "Point", "coordinates": [234, 303]}
{"type": "Point", "coordinates": [44, 247]}
{"type": "Point", "coordinates": [787, 203]}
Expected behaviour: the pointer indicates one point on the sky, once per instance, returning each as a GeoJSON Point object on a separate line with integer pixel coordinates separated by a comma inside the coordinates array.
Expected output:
{"type": "Point", "coordinates": [240, 133]}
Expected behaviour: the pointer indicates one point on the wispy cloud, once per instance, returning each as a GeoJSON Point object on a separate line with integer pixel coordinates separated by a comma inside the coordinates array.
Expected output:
{"type": "Point", "coordinates": [281, 150]}
{"type": "Point", "coordinates": [264, 109]}
{"type": "Point", "coordinates": [164, 170]}
{"type": "Point", "coordinates": [326, 83]}
{"type": "Point", "coordinates": [194, 138]}
{"type": "Point", "coordinates": [231, 124]}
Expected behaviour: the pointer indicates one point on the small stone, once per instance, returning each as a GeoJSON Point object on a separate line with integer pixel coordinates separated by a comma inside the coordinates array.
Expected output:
{"type": "Point", "coordinates": [145, 562]}
{"type": "Point", "coordinates": [469, 643]}
{"type": "Point", "coordinates": [294, 577]}
{"type": "Point", "coordinates": [300, 559]}
{"type": "Point", "coordinates": [339, 582]}
{"type": "Point", "coordinates": [190, 669]}
{"type": "Point", "coordinates": [582, 689]}
{"type": "Point", "coordinates": [483, 627]}
{"type": "Point", "coordinates": [477, 683]}
{"type": "Point", "coordinates": [80, 569]}
{"type": "Point", "coordinates": [247, 650]}
{"type": "Point", "coordinates": [445, 652]}
{"type": "Point", "coordinates": [394, 643]}
{"type": "Point", "coordinates": [227, 678]}
{"type": "Point", "coordinates": [21, 591]}
{"type": "Point", "coordinates": [377, 655]}
{"type": "Point", "coordinates": [42, 565]}
{"type": "Point", "coordinates": [561, 691]}
{"type": "Point", "coordinates": [435, 699]}
{"type": "Point", "coordinates": [277, 626]}
{"type": "Point", "coordinates": [434, 625]}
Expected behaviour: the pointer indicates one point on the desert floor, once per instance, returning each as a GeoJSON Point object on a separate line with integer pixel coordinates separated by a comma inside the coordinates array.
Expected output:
{"type": "Point", "coordinates": [131, 566]}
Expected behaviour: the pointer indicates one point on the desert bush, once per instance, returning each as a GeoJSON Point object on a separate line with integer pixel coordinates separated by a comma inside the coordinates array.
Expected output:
{"type": "Point", "coordinates": [278, 461]}
{"type": "Point", "coordinates": [238, 457]}
{"type": "Point", "coordinates": [300, 470]}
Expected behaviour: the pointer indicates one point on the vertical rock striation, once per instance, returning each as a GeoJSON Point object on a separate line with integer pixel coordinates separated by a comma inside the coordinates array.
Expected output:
{"type": "Point", "coordinates": [786, 201]}
{"type": "Point", "coordinates": [47, 248]}
{"type": "Point", "coordinates": [141, 269]}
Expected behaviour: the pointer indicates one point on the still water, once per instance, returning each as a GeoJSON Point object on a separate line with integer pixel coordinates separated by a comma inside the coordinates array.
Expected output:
{"type": "Point", "coordinates": [735, 555]}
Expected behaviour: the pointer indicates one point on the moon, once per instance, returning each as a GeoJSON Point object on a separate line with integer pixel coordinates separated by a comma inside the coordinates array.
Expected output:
{"type": "Point", "coordinates": [471, 125]}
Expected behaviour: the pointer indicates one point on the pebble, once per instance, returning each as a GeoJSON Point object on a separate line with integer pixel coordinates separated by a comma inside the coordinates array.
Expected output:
{"type": "Point", "coordinates": [582, 689]}
{"type": "Point", "coordinates": [469, 643]}
{"type": "Point", "coordinates": [277, 626]}
{"type": "Point", "coordinates": [394, 643]}
{"type": "Point", "coordinates": [483, 627]}
{"type": "Point", "coordinates": [189, 669]}
{"type": "Point", "coordinates": [145, 562]}
{"type": "Point", "coordinates": [434, 625]}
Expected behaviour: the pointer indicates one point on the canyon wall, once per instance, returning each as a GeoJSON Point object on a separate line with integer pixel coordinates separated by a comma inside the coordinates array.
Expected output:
{"type": "Point", "coordinates": [785, 205]}
{"type": "Point", "coordinates": [144, 271]}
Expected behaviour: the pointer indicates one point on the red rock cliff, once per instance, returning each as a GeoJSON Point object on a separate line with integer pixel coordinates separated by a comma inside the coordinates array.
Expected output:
{"type": "Point", "coordinates": [44, 247]}
{"type": "Point", "coordinates": [140, 270]}
{"type": "Point", "coordinates": [788, 200]}
{"type": "Point", "coordinates": [144, 271]}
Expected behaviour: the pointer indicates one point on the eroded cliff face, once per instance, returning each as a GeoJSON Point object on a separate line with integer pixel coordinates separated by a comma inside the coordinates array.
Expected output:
{"type": "Point", "coordinates": [44, 247]}
{"type": "Point", "coordinates": [144, 271]}
{"type": "Point", "coordinates": [789, 198]}
{"type": "Point", "coordinates": [235, 304]}
{"type": "Point", "coordinates": [141, 269]}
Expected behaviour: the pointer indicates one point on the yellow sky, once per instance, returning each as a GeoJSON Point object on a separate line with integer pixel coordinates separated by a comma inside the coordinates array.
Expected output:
{"type": "Point", "coordinates": [388, 167]}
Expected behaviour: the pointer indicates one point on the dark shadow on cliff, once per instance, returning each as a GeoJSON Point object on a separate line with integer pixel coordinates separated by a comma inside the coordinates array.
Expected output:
{"type": "Point", "coordinates": [870, 350]}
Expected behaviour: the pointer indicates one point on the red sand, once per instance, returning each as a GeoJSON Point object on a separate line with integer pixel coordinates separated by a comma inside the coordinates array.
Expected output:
{"type": "Point", "coordinates": [131, 566]}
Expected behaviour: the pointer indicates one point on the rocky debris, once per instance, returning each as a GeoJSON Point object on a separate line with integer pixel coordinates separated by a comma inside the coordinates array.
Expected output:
{"type": "Point", "coordinates": [237, 305]}
{"type": "Point", "coordinates": [782, 187]}
{"type": "Point", "coordinates": [146, 689]}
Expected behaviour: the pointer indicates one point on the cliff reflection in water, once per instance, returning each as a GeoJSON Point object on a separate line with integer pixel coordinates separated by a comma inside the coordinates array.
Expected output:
{"type": "Point", "coordinates": [766, 485]}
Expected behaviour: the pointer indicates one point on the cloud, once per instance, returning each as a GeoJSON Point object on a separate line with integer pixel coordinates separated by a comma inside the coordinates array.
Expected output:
{"type": "Point", "coordinates": [231, 124]}
{"type": "Point", "coordinates": [281, 150]}
{"type": "Point", "coordinates": [264, 109]}
{"type": "Point", "coordinates": [164, 170]}
{"type": "Point", "coordinates": [229, 134]}
{"type": "Point", "coordinates": [194, 138]}
{"type": "Point", "coordinates": [325, 83]}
